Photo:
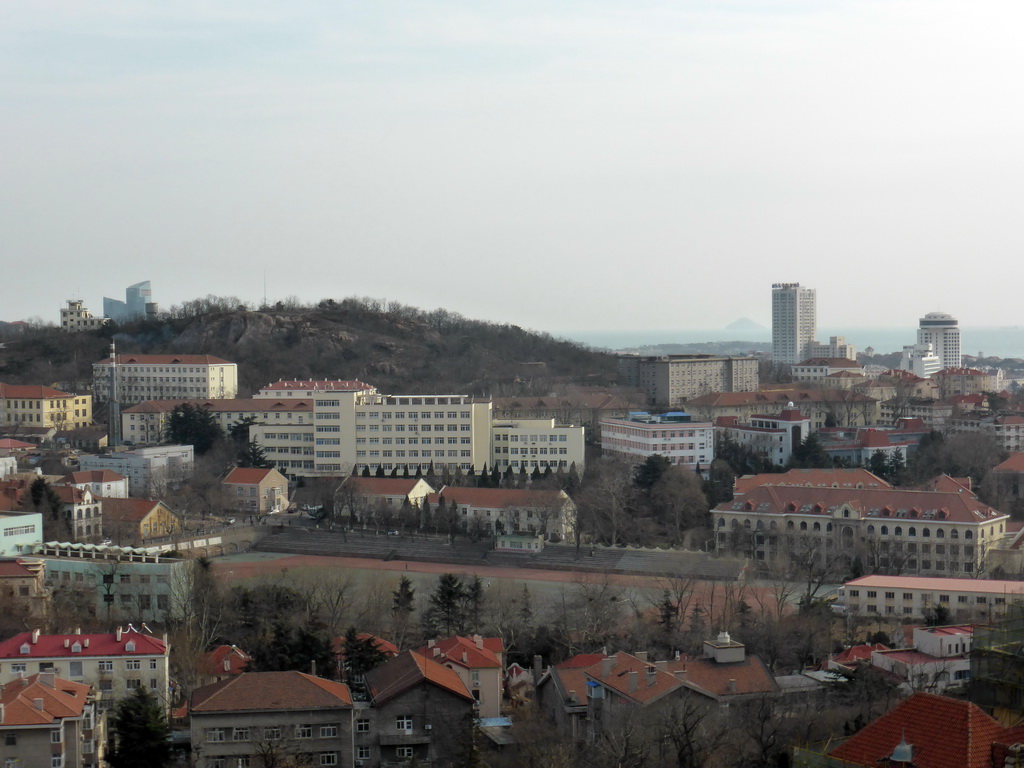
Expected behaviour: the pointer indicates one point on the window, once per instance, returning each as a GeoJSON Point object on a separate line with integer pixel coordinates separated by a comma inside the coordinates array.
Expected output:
{"type": "Point", "coordinates": [404, 723]}
{"type": "Point", "coordinates": [961, 598]}
{"type": "Point", "coordinates": [240, 734]}
{"type": "Point", "coordinates": [362, 753]}
{"type": "Point", "coordinates": [328, 731]}
{"type": "Point", "coordinates": [362, 726]}
{"type": "Point", "coordinates": [328, 758]}
{"type": "Point", "coordinates": [908, 595]}
{"type": "Point", "coordinates": [55, 736]}
{"type": "Point", "coordinates": [272, 732]}
{"type": "Point", "coordinates": [890, 595]}
{"type": "Point", "coordinates": [872, 593]}
{"type": "Point", "coordinates": [215, 734]}
{"type": "Point", "coordinates": [304, 731]}
{"type": "Point", "coordinates": [133, 682]}
{"type": "Point", "coordinates": [19, 668]}
{"type": "Point", "coordinates": [404, 752]}
{"type": "Point", "coordinates": [11, 740]}
{"type": "Point", "coordinates": [133, 664]}
{"type": "Point", "coordinates": [943, 598]}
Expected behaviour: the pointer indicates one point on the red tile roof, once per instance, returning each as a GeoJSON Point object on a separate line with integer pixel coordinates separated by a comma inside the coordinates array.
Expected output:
{"type": "Point", "coordinates": [11, 569]}
{"type": "Point", "coordinates": [386, 647]}
{"type": "Point", "coordinates": [939, 583]}
{"type": "Point", "coordinates": [462, 651]}
{"type": "Point", "coordinates": [8, 444]}
{"type": "Point", "coordinates": [407, 670]}
{"type": "Point", "coordinates": [1015, 463]}
{"type": "Point", "coordinates": [250, 476]}
{"type": "Point", "coordinates": [381, 486]}
{"type": "Point", "coordinates": [94, 476]}
{"type": "Point", "coordinates": [224, 406]}
{"type": "Point", "coordinates": [166, 360]}
{"type": "Point", "coordinates": [60, 698]}
{"type": "Point", "coordinates": [323, 385]}
{"type": "Point", "coordinates": [261, 691]}
{"type": "Point", "coordinates": [816, 478]}
{"type": "Point", "coordinates": [944, 733]}
{"type": "Point", "coordinates": [780, 397]}
{"type": "Point", "coordinates": [127, 510]}
{"type": "Point", "coordinates": [225, 660]}
{"type": "Point", "coordinates": [858, 653]}
{"type": "Point", "coordinates": [52, 646]}
{"type": "Point", "coordinates": [30, 392]}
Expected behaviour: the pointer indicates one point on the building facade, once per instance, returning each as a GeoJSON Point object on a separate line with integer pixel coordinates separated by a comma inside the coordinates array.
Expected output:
{"type": "Point", "coordinates": [138, 304]}
{"type": "Point", "coordinates": [75, 317]}
{"type": "Point", "coordinates": [773, 437]}
{"type": "Point", "coordinates": [794, 322]}
{"type": "Point", "coordinates": [255, 491]}
{"type": "Point", "coordinates": [149, 470]}
{"type": "Point", "coordinates": [901, 597]}
{"type": "Point", "coordinates": [30, 405]}
{"type": "Point", "coordinates": [164, 377]}
{"type": "Point", "coordinates": [676, 436]}
{"type": "Point", "coordinates": [920, 360]}
{"type": "Point", "coordinates": [942, 332]}
{"type": "Point", "coordinates": [146, 423]}
{"type": "Point", "coordinates": [673, 379]}
{"type": "Point", "coordinates": [837, 347]}
{"type": "Point", "coordinates": [536, 444]}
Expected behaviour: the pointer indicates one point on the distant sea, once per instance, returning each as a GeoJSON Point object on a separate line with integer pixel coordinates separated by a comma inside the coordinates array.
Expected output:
{"type": "Point", "coordinates": [1007, 341]}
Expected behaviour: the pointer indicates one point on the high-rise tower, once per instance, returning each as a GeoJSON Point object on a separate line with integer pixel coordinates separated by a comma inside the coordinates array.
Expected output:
{"type": "Point", "coordinates": [794, 322]}
{"type": "Point", "coordinates": [942, 331]}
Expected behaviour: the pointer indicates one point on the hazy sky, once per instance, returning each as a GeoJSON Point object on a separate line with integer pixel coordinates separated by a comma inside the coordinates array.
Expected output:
{"type": "Point", "coordinates": [560, 165]}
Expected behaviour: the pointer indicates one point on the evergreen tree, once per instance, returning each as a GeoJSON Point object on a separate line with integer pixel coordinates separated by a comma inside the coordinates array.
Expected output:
{"type": "Point", "coordinates": [535, 475]}
{"type": "Point", "coordinates": [446, 613]}
{"type": "Point", "coordinates": [495, 476]}
{"type": "Point", "coordinates": [361, 655]}
{"type": "Point", "coordinates": [239, 431]}
{"type": "Point", "coordinates": [366, 470]}
{"type": "Point", "coordinates": [509, 478]}
{"type": "Point", "coordinates": [140, 734]}
{"type": "Point", "coordinates": [380, 471]}
{"type": "Point", "coordinates": [294, 647]}
{"type": "Point", "coordinates": [45, 501]}
{"type": "Point", "coordinates": [252, 455]}
{"type": "Point", "coordinates": [405, 474]}
{"type": "Point", "coordinates": [402, 598]}
{"type": "Point", "coordinates": [192, 425]}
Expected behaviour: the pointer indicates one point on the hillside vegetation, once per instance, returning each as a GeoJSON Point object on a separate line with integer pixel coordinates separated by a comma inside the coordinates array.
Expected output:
{"type": "Point", "coordinates": [394, 347]}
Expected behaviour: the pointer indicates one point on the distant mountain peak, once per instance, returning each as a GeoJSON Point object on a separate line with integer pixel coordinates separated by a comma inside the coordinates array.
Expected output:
{"type": "Point", "coordinates": [745, 324]}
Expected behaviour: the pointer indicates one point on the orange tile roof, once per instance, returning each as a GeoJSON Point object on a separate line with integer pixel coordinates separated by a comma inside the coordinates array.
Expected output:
{"type": "Point", "coordinates": [30, 392]}
{"type": "Point", "coordinates": [225, 660]}
{"type": "Point", "coordinates": [1015, 463]}
{"type": "Point", "coordinates": [940, 583]}
{"type": "Point", "coordinates": [94, 476]}
{"type": "Point", "coordinates": [60, 698]}
{"type": "Point", "coordinates": [386, 647]}
{"type": "Point", "coordinates": [127, 510]}
{"type": "Point", "coordinates": [882, 504]}
{"type": "Point", "coordinates": [250, 475]}
{"type": "Point", "coordinates": [462, 651]}
{"type": "Point", "coordinates": [780, 397]}
{"type": "Point", "coordinates": [944, 733]}
{"type": "Point", "coordinates": [261, 691]}
{"type": "Point", "coordinates": [381, 486]}
{"type": "Point", "coordinates": [652, 683]}
{"type": "Point", "coordinates": [816, 478]}
{"type": "Point", "coordinates": [739, 678]}
{"type": "Point", "coordinates": [407, 670]}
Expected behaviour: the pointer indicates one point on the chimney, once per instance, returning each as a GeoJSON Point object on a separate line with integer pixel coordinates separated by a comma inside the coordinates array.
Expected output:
{"type": "Point", "coordinates": [312, 667]}
{"type": "Point", "coordinates": [431, 642]}
{"type": "Point", "coordinates": [465, 658]}
{"type": "Point", "coordinates": [662, 665]}
{"type": "Point", "coordinates": [651, 676]}
{"type": "Point", "coordinates": [437, 651]}
{"type": "Point", "coordinates": [607, 665]}
{"type": "Point", "coordinates": [67, 642]}
{"type": "Point", "coordinates": [1, 713]}
{"type": "Point", "coordinates": [479, 641]}
{"type": "Point", "coordinates": [48, 679]}
{"type": "Point", "coordinates": [681, 673]}
{"type": "Point", "coordinates": [38, 704]}
{"type": "Point", "coordinates": [78, 630]}
{"type": "Point", "coordinates": [118, 634]}
{"type": "Point", "coordinates": [86, 642]}
{"type": "Point", "coordinates": [677, 655]}
{"type": "Point", "coordinates": [642, 655]}
{"type": "Point", "coordinates": [572, 698]}
{"type": "Point", "coordinates": [634, 680]}
{"type": "Point", "coordinates": [732, 685]}
{"type": "Point", "coordinates": [35, 636]}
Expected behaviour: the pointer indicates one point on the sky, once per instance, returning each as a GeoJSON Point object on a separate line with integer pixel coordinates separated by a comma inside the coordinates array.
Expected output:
{"type": "Point", "coordinates": [561, 166]}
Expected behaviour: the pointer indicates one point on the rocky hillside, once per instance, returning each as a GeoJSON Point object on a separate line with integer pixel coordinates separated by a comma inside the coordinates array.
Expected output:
{"type": "Point", "coordinates": [394, 347]}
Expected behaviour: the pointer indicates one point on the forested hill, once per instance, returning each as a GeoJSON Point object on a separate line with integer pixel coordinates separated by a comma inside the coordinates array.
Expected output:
{"type": "Point", "coordinates": [394, 347]}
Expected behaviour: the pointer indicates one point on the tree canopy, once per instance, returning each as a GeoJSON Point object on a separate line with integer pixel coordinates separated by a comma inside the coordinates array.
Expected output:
{"type": "Point", "coordinates": [140, 734]}
{"type": "Point", "coordinates": [192, 425]}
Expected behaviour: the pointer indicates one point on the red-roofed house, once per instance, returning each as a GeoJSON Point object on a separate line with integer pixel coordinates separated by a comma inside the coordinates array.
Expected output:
{"type": "Point", "coordinates": [46, 720]}
{"type": "Point", "coordinates": [100, 482]}
{"type": "Point", "coordinates": [223, 662]}
{"type": "Point", "coordinates": [479, 663]}
{"type": "Point", "coordinates": [238, 721]}
{"type": "Point", "coordinates": [938, 660]}
{"type": "Point", "coordinates": [509, 510]}
{"type": "Point", "coordinates": [132, 522]}
{"type": "Point", "coordinates": [934, 731]}
{"type": "Point", "coordinates": [256, 491]}
{"type": "Point", "coordinates": [383, 498]}
{"type": "Point", "coordinates": [114, 663]}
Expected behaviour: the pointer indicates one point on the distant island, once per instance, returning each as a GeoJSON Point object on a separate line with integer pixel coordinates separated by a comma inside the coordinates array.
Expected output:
{"type": "Point", "coordinates": [745, 324]}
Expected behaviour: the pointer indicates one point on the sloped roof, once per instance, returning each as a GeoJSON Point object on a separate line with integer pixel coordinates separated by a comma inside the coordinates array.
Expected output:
{"type": "Point", "coordinates": [738, 678]}
{"type": "Point", "coordinates": [323, 385]}
{"type": "Point", "coordinates": [462, 651]}
{"type": "Point", "coordinates": [14, 569]}
{"type": "Point", "coordinates": [858, 653]}
{"type": "Point", "coordinates": [407, 670]}
{"type": "Point", "coordinates": [386, 647]}
{"type": "Point", "coordinates": [251, 475]}
{"type": "Point", "coordinates": [651, 682]}
{"type": "Point", "coordinates": [166, 360]}
{"type": "Point", "coordinates": [94, 476]}
{"type": "Point", "coordinates": [1015, 463]}
{"type": "Point", "coordinates": [780, 397]}
{"type": "Point", "coordinates": [498, 498]}
{"type": "Point", "coordinates": [224, 406]}
{"type": "Point", "coordinates": [60, 698]}
{"type": "Point", "coordinates": [129, 510]}
{"type": "Point", "coordinates": [261, 691]}
{"type": "Point", "coordinates": [382, 486]}
{"type": "Point", "coordinates": [944, 733]}
{"type": "Point", "coordinates": [30, 392]}
{"type": "Point", "coordinates": [106, 644]}
{"type": "Point", "coordinates": [815, 478]}
{"type": "Point", "coordinates": [9, 444]}
{"type": "Point", "coordinates": [225, 660]}
{"type": "Point", "coordinates": [939, 583]}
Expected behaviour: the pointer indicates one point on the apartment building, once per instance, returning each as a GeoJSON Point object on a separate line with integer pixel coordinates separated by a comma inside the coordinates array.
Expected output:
{"type": "Point", "coordinates": [794, 322]}
{"type": "Point", "coordinates": [149, 470]}
{"type": "Point", "coordinates": [837, 346]}
{"type": "Point", "coordinates": [479, 663]}
{"type": "Point", "coordinates": [536, 444]}
{"type": "Point", "coordinates": [675, 435]}
{"type": "Point", "coordinates": [967, 381]}
{"type": "Point", "coordinates": [772, 436]}
{"type": "Point", "coordinates": [819, 369]}
{"type": "Point", "coordinates": [926, 532]}
{"type": "Point", "coordinates": [912, 597]}
{"type": "Point", "coordinates": [75, 318]}
{"type": "Point", "coordinates": [165, 377]}
{"type": "Point", "coordinates": [146, 423]}
{"type": "Point", "coordinates": [100, 482]}
{"type": "Point", "coordinates": [941, 331]}
{"type": "Point", "coordinates": [32, 405]}
{"type": "Point", "coordinates": [846, 407]}
{"type": "Point", "coordinates": [114, 663]}
{"type": "Point", "coordinates": [48, 722]}
{"type": "Point", "coordinates": [673, 379]}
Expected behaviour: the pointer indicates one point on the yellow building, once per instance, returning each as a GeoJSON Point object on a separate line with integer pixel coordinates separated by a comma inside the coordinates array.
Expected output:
{"type": "Point", "coordinates": [33, 405]}
{"type": "Point", "coordinates": [135, 521]}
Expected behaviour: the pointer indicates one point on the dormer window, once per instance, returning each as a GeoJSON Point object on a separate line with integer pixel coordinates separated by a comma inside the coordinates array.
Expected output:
{"type": "Point", "coordinates": [130, 646]}
{"type": "Point", "coordinates": [76, 648]}
{"type": "Point", "coordinates": [25, 648]}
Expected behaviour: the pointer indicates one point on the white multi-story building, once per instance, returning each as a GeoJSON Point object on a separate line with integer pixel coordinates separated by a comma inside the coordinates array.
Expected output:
{"type": "Point", "coordinates": [165, 377]}
{"type": "Point", "coordinates": [920, 360]}
{"type": "Point", "coordinates": [148, 470]}
{"type": "Point", "coordinates": [116, 663]}
{"type": "Point", "coordinates": [146, 423]}
{"type": "Point", "coordinates": [903, 597]}
{"type": "Point", "coordinates": [684, 442]}
{"type": "Point", "coordinates": [837, 347]}
{"type": "Point", "coordinates": [75, 317]}
{"type": "Point", "coordinates": [536, 444]}
{"type": "Point", "coordinates": [773, 437]}
{"type": "Point", "coordinates": [354, 426]}
{"type": "Point", "coordinates": [794, 322]}
{"type": "Point", "coordinates": [941, 331]}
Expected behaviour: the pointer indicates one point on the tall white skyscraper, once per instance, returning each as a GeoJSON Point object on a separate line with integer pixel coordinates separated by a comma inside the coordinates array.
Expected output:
{"type": "Point", "coordinates": [943, 333]}
{"type": "Point", "coordinates": [794, 322]}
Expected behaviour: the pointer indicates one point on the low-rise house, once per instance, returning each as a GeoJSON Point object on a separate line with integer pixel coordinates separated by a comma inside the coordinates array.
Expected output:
{"type": "Point", "coordinates": [47, 721]}
{"type": "Point", "coordinates": [135, 521]}
{"type": "Point", "coordinates": [479, 663]}
{"type": "Point", "coordinates": [99, 482]}
{"type": "Point", "coordinates": [820, 368]}
{"type": "Point", "coordinates": [223, 663]}
{"type": "Point", "coordinates": [83, 511]}
{"type": "Point", "coordinates": [914, 597]}
{"type": "Point", "coordinates": [418, 709]}
{"type": "Point", "coordinates": [383, 498]}
{"type": "Point", "coordinates": [23, 583]}
{"type": "Point", "coordinates": [256, 491]}
{"type": "Point", "coordinates": [939, 659]}
{"type": "Point", "coordinates": [248, 718]}
{"type": "Point", "coordinates": [548, 513]}
{"type": "Point", "coordinates": [114, 663]}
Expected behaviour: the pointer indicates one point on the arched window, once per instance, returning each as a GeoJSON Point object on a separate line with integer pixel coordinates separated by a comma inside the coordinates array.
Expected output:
{"type": "Point", "coordinates": [926, 532]}
{"type": "Point", "coordinates": [789, 525]}
{"type": "Point", "coordinates": [871, 529]}
{"type": "Point", "coordinates": [885, 530]}
{"type": "Point", "coordinates": [968, 534]}
{"type": "Point", "coordinates": [746, 524]}
{"type": "Point", "coordinates": [817, 526]}
{"type": "Point", "coordinates": [828, 527]}
{"type": "Point", "coordinates": [912, 531]}
{"type": "Point", "coordinates": [803, 525]}
{"type": "Point", "coordinates": [898, 531]}
{"type": "Point", "coordinates": [721, 522]}
{"type": "Point", "coordinates": [773, 525]}
{"type": "Point", "coordinates": [760, 525]}
{"type": "Point", "coordinates": [954, 534]}
{"type": "Point", "coordinates": [940, 534]}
